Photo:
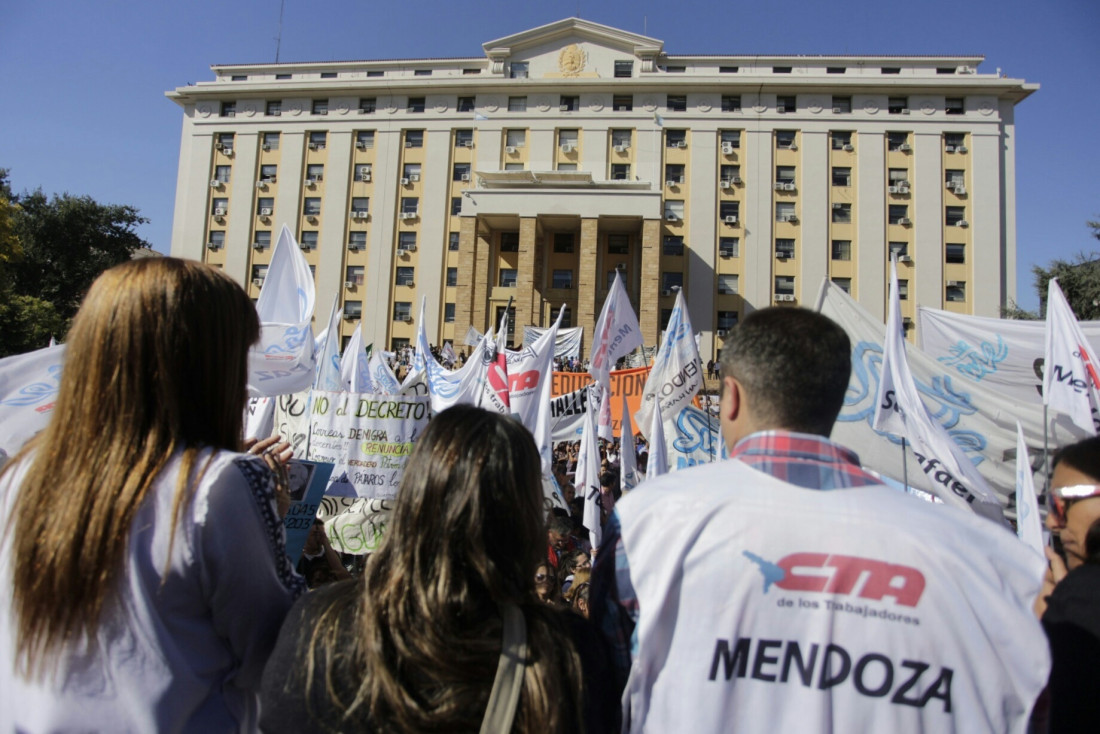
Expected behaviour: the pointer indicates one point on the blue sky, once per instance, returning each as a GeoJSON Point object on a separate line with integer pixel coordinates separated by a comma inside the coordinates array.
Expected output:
{"type": "Point", "coordinates": [83, 107]}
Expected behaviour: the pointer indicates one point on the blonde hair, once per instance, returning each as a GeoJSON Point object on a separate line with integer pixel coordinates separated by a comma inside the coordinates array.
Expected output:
{"type": "Point", "coordinates": [155, 364]}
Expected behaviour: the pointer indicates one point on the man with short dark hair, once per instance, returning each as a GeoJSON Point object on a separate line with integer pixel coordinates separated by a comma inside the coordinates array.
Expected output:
{"type": "Point", "coordinates": [787, 589]}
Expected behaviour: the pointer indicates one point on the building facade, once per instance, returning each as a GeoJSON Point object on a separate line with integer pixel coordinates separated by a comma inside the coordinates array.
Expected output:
{"type": "Point", "coordinates": [532, 173]}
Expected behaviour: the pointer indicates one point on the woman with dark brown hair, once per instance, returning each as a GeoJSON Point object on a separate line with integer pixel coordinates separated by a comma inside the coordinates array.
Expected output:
{"type": "Point", "coordinates": [144, 555]}
{"type": "Point", "coordinates": [425, 639]}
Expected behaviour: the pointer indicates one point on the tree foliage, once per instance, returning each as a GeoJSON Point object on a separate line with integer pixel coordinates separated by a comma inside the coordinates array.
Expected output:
{"type": "Point", "coordinates": [1079, 280]}
{"type": "Point", "coordinates": [51, 249]}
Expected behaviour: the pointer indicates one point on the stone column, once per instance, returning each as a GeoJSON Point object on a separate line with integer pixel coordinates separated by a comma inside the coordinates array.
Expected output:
{"type": "Point", "coordinates": [464, 301]}
{"type": "Point", "coordinates": [525, 277]}
{"type": "Point", "coordinates": [479, 315]}
{"type": "Point", "coordinates": [649, 309]}
{"type": "Point", "coordinates": [586, 282]}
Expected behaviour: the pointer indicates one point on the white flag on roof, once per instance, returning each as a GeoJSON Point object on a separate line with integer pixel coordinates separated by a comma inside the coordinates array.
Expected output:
{"type": "Point", "coordinates": [1070, 377]}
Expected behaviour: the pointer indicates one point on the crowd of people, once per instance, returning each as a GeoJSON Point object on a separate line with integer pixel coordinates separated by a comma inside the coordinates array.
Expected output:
{"type": "Point", "coordinates": [784, 589]}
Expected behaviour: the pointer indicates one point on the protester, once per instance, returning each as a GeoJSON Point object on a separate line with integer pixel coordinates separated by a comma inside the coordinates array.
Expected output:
{"type": "Point", "coordinates": [415, 644]}
{"type": "Point", "coordinates": [145, 556]}
{"type": "Point", "coordinates": [572, 562]}
{"type": "Point", "coordinates": [788, 590]}
{"type": "Point", "coordinates": [559, 541]}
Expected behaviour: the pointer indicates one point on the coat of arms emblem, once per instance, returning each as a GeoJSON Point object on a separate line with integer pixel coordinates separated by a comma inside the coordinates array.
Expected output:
{"type": "Point", "coordinates": [571, 60]}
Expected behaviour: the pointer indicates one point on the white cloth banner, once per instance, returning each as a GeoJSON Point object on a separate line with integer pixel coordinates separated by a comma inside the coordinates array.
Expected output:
{"type": "Point", "coordinates": [469, 384]}
{"type": "Point", "coordinates": [355, 366]}
{"type": "Point", "coordinates": [677, 372]}
{"type": "Point", "coordinates": [587, 477]}
{"type": "Point", "coordinates": [1029, 526]}
{"type": "Point", "coordinates": [529, 385]}
{"type": "Point", "coordinates": [259, 417]}
{"type": "Point", "coordinates": [328, 353]}
{"type": "Point", "coordinates": [617, 332]}
{"type": "Point", "coordinates": [28, 390]}
{"type": "Point", "coordinates": [566, 346]}
{"type": "Point", "coordinates": [283, 360]}
{"type": "Point", "coordinates": [1070, 378]}
{"type": "Point", "coordinates": [1003, 354]}
{"type": "Point", "coordinates": [385, 382]}
{"type": "Point", "coordinates": [948, 472]}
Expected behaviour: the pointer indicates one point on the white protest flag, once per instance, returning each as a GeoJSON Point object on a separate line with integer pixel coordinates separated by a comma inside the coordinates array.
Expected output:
{"type": "Point", "coordinates": [628, 458]}
{"type": "Point", "coordinates": [1029, 527]}
{"type": "Point", "coordinates": [530, 388]}
{"type": "Point", "coordinates": [259, 417]}
{"type": "Point", "coordinates": [448, 353]}
{"type": "Point", "coordinates": [587, 477]}
{"type": "Point", "coordinates": [617, 333]}
{"type": "Point", "coordinates": [354, 366]}
{"type": "Point", "coordinates": [496, 371]}
{"type": "Point", "coordinates": [384, 380]}
{"type": "Point", "coordinates": [453, 387]}
{"type": "Point", "coordinates": [568, 343]}
{"type": "Point", "coordinates": [658, 450]}
{"type": "Point", "coordinates": [328, 353]}
{"type": "Point", "coordinates": [1070, 378]}
{"type": "Point", "coordinates": [677, 372]}
{"type": "Point", "coordinates": [283, 361]}
{"type": "Point", "coordinates": [28, 390]}
{"type": "Point", "coordinates": [898, 409]}
{"type": "Point", "coordinates": [604, 429]}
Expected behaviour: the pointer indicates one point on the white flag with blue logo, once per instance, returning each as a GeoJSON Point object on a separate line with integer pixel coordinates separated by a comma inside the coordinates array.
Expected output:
{"type": "Point", "coordinates": [617, 333]}
{"type": "Point", "coordinates": [587, 477]}
{"type": "Point", "coordinates": [1070, 372]}
{"type": "Point", "coordinates": [677, 372]}
{"type": "Point", "coordinates": [354, 366]}
{"type": "Point", "coordinates": [28, 390]}
{"type": "Point", "coordinates": [328, 352]}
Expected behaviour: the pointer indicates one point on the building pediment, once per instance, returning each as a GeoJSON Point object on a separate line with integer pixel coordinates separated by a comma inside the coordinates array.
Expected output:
{"type": "Point", "coordinates": [572, 48]}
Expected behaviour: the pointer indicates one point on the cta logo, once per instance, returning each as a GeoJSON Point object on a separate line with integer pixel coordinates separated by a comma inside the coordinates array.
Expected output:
{"type": "Point", "coordinates": [828, 573]}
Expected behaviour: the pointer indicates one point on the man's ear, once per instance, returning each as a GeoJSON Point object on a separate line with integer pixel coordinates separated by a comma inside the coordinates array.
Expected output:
{"type": "Point", "coordinates": [735, 399]}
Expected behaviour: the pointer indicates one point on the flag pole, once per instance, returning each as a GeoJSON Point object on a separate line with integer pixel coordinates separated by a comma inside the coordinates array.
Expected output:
{"type": "Point", "coordinates": [904, 465]}
{"type": "Point", "coordinates": [710, 433]}
{"type": "Point", "coordinates": [1046, 452]}
{"type": "Point", "coordinates": [484, 375]}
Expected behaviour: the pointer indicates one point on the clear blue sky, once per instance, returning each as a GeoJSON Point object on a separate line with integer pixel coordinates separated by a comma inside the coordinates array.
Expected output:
{"type": "Point", "coordinates": [82, 105]}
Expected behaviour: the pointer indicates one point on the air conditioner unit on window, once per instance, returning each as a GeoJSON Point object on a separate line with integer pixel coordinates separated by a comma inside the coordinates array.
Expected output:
{"type": "Point", "coordinates": [621, 148]}
{"type": "Point", "coordinates": [257, 245]}
{"type": "Point", "coordinates": [305, 246]}
{"type": "Point", "coordinates": [409, 284]}
{"type": "Point", "coordinates": [511, 149]}
{"type": "Point", "coordinates": [778, 186]}
{"type": "Point", "coordinates": [848, 147]}
{"type": "Point", "coordinates": [671, 182]}
{"type": "Point", "coordinates": [905, 258]}
{"type": "Point", "coordinates": [568, 147]}
{"type": "Point", "coordinates": [364, 177]}
{"type": "Point", "coordinates": [723, 184]}
{"type": "Point", "coordinates": [784, 297]}
{"type": "Point", "coordinates": [361, 144]}
{"type": "Point", "coordinates": [213, 246]}
{"type": "Point", "coordinates": [354, 247]}
{"type": "Point", "coordinates": [349, 283]}
{"type": "Point", "coordinates": [961, 149]}
{"type": "Point", "coordinates": [404, 182]}
{"type": "Point", "coordinates": [954, 283]}
{"type": "Point", "coordinates": [310, 182]}
{"type": "Point", "coordinates": [905, 147]}
{"type": "Point", "coordinates": [680, 144]}
{"type": "Point", "coordinates": [265, 211]}
{"type": "Point", "coordinates": [670, 217]}
{"type": "Point", "coordinates": [219, 212]}
{"type": "Point", "coordinates": [407, 318]}
{"type": "Point", "coordinates": [563, 108]}
{"type": "Point", "coordinates": [905, 110]}
{"type": "Point", "coordinates": [735, 180]}
{"type": "Point", "coordinates": [962, 223]}
{"type": "Point", "coordinates": [215, 184]}
{"type": "Point", "coordinates": [905, 221]}
{"type": "Point", "coordinates": [414, 177]}
{"type": "Point", "coordinates": [960, 190]}
{"type": "Point", "coordinates": [467, 143]}
{"type": "Point", "coordinates": [314, 146]}
{"type": "Point", "coordinates": [781, 109]}
{"type": "Point", "coordinates": [782, 254]}
{"type": "Point", "coordinates": [218, 145]}
{"type": "Point", "coordinates": [258, 282]}
{"type": "Point", "coordinates": [227, 152]}
{"type": "Point", "coordinates": [793, 218]}
{"type": "Point", "coordinates": [730, 219]}
{"type": "Point", "coordinates": [408, 215]}
{"type": "Point", "coordinates": [949, 149]}
{"type": "Point", "coordinates": [261, 184]}
{"type": "Point", "coordinates": [837, 110]}
{"type": "Point", "coordinates": [727, 148]}
{"type": "Point", "coordinates": [789, 186]}
{"type": "Point", "coordinates": [894, 189]}
{"type": "Point", "coordinates": [465, 177]}
{"type": "Point", "coordinates": [838, 206]}
{"type": "Point", "coordinates": [410, 248]}
{"type": "Point", "coordinates": [359, 214]}
{"type": "Point", "coordinates": [350, 316]}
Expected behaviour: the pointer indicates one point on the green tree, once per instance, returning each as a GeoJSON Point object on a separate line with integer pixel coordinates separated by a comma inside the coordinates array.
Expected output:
{"type": "Point", "coordinates": [1079, 280]}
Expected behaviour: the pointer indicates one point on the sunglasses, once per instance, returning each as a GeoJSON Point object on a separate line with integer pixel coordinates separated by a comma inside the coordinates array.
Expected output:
{"type": "Point", "coordinates": [540, 577]}
{"type": "Point", "coordinates": [1063, 497]}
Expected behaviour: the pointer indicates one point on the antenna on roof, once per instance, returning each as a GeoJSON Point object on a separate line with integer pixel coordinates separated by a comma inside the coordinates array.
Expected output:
{"type": "Point", "coordinates": [279, 38]}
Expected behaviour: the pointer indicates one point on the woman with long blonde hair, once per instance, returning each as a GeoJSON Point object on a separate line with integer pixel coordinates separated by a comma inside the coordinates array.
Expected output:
{"type": "Point", "coordinates": [144, 555]}
{"type": "Point", "coordinates": [425, 639]}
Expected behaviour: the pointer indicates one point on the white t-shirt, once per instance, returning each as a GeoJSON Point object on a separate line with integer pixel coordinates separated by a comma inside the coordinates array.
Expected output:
{"type": "Point", "coordinates": [183, 646]}
{"type": "Point", "coordinates": [766, 607]}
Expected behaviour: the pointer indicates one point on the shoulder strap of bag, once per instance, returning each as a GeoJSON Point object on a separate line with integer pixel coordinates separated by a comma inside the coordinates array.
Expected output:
{"type": "Point", "coordinates": [504, 698]}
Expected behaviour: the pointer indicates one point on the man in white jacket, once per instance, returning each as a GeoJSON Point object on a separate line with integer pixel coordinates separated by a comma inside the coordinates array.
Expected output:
{"type": "Point", "coordinates": [786, 589]}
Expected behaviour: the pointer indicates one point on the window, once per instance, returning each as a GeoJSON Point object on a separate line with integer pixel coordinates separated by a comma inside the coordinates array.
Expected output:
{"type": "Point", "coordinates": [360, 205]}
{"type": "Point", "coordinates": [731, 139]}
{"type": "Point", "coordinates": [268, 172]}
{"type": "Point", "coordinates": [265, 203]}
{"type": "Point", "coordinates": [674, 210]}
{"type": "Point", "coordinates": [894, 141]}
{"type": "Point", "coordinates": [903, 289]}
{"type": "Point", "coordinates": [785, 139]}
{"type": "Point", "coordinates": [620, 171]}
{"type": "Point", "coordinates": [311, 206]}
{"type": "Point", "coordinates": [624, 69]}
{"type": "Point", "coordinates": [353, 309]}
{"type": "Point", "coordinates": [784, 248]}
{"type": "Point", "coordinates": [563, 242]}
{"type": "Point", "coordinates": [509, 241]}
{"type": "Point", "coordinates": [448, 313]}
{"type": "Point", "coordinates": [676, 102]}
{"type": "Point", "coordinates": [511, 322]}
{"type": "Point", "coordinates": [354, 274]}
{"type": "Point", "coordinates": [406, 241]}
{"type": "Point", "coordinates": [315, 172]}
{"type": "Point", "coordinates": [618, 244]}
{"type": "Point", "coordinates": [513, 167]}
{"type": "Point", "coordinates": [507, 278]}
{"type": "Point", "coordinates": [673, 246]}
{"type": "Point", "coordinates": [517, 70]}
{"type": "Point", "coordinates": [728, 284]}
{"type": "Point", "coordinates": [674, 173]}
{"type": "Point", "coordinates": [729, 209]}
{"type": "Point", "coordinates": [956, 253]}
{"type": "Point", "coordinates": [842, 176]}
{"type": "Point", "coordinates": [402, 311]}
{"type": "Point", "coordinates": [404, 275]}
{"type": "Point", "coordinates": [569, 103]}
{"type": "Point", "coordinates": [414, 138]}
{"type": "Point", "coordinates": [422, 72]}
{"type": "Point", "coordinates": [263, 238]}
{"type": "Point", "coordinates": [415, 104]}
{"type": "Point", "coordinates": [364, 139]}
{"type": "Point", "coordinates": [731, 102]}
{"type": "Point", "coordinates": [621, 270]}
{"type": "Point", "coordinates": [320, 106]}
{"type": "Point", "coordinates": [567, 318]}
{"type": "Point", "coordinates": [955, 141]}
{"type": "Point", "coordinates": [666, 316]}
{"type": "Point", "coordinates": [239, 78]}
{"type": "Point", "coordinates": [726, 320]}
{"type": "Point", "coordinates": [363, 172]}
{"type": "Point", "coordinates": [453, 241]}
{"type": "Point", "coordinates": [890, 70]}
{"type": "Point", "coordinates": [730, 174]}
{"type": "Point", "coordinates": [898, 176]}
{"type": "Point", "coordinates": [465, 104]}
{"type": "Point", "coordinates": [842, 104]}
{"type": "Point", "coordinates": [621, 138]}
{"type": "Point", "coordinates": [835, 69]}
{"type": "Point", "coordinates": [842, 213]}
{"type": "Point", "coordinates": [219, 207]}
{"type": "Point", "coordinates": [464, 138]}
{"type": "Point", "coordinates": [671, 281]}
{"type": "Point", "coordinates": [221, 173]}
{"type": "Point", "coordinates": [842, 250]}
{"type": "Point", "coordinates": [224, 142]}
{"type": "Point", "coordinates": [727, 69]}
{"type": "Point", "coordinates": [897, 105]}
{"type": "Point", "coordinates": [781, 69]}
{"type": "Point", "coordinates": [461, 172]}
{"type": "Point", "coordinates": [675, 138]}
{"type": "Point", "coordinates": [271, 141]}
{"type": "Point", "coordinates": [229, 109]}
{"type": "Point", "coordinates": [784, 285]}
{"type": "Point", "coordinates": [515, 138]}
{"type": "Point", "coordinates": [273, 108]}
{"type": "Point", "coordinates": [844, 284]}
{"type": "Point", "coordinates": [954, 106]}
{"type": "Point", "coordinates": [897, 212]}
{"type": "Point", "coordinates": [328, 74]}
{"type": "Point", "coordinates": [622, 103]}
{"type": "Point", "coordinates": [517, 104]}
{"type": "Point", "coordinates": [729, 247]}
{"type": "Point", "coordinates": [784, 211]}
{"type": "Point", "coordinates": [318, 139]}
{"type": "Point", "coordinates": [784, 174]}
{"type": "Point", "coordinates": [841, 139]}
{"type": "Point", "coordinates": [456, 206]}
{"type": "Point", "coordinates": [367, 105]}
{"type": "Point", "coordinates": [375, 73]}
{"type": "Point", "coordinates": [954, 215]}
{"type": "Point", "coordinates": [357, 241]}
{"type": "Point", "coordinates": [954, 177]}
{"type": "Point", "coordinates": [283, 76]}
{"type": "Point", "coordinates": [410, 204]}
{"type": "Point", "coordinates": [898, 249]}
{"type": "Point", "coordinates": [562, 279]}
{"type": "Point", "coordinates": [675, 69]}
{"type": "Point", "coordinates": [568, 138]}
{"type": "Point", "coordinates": [786, 103]}
{"type": "Point", "coordinates": [308, 241]}
{"type": "Point", "coordinates": [957, 292]}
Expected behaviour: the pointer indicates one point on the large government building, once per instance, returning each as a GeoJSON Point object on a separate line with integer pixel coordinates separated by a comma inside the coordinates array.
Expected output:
{"type": "Point", "coordinates": [533, 172]}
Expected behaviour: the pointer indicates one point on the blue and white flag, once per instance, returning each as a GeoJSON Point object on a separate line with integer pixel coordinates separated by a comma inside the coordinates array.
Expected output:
{"type": "Point", "coordinates": [328, 353]}
{"type": "Point", "coordinates": [385, 381]}
{"type": "Point", "coordinates": [1029, 526]}
{"type": "Point", "coordinates": [677, 372]}
{"type": "Point", "coordinates": [28, 391]}
{"type": "Point", "coordinates": [354, 365]}
{"type": "Point", "coordinates": [1070, 375]}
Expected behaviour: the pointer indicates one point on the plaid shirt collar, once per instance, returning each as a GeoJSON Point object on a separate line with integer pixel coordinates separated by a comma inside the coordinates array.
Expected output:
{"type": "Point", "coordinates": [803, 459]}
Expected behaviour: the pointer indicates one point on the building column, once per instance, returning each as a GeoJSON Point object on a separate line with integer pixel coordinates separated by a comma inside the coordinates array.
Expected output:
{"type": "Point", "coordinates": [525, 277]}
{"type": "Point", "coordinates": [586, 281]}
{"type": "Point", "coordinates": [465, 295]}
{"type": "Point", "coordinates": [479, 315]}
{"type": "Point", "coordinates": [649, 309]}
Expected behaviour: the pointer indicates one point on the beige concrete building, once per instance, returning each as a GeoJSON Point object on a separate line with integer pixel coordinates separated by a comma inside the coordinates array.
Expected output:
{"type": "Point", "coordinates": [563, 153]}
